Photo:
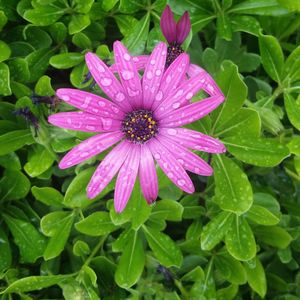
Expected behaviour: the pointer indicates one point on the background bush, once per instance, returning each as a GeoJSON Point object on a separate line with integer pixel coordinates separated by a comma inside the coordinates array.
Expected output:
{"type": "Point", "coordinates": [237, 237]}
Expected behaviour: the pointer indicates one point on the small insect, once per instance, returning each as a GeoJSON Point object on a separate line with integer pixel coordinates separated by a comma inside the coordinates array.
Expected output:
{"type": "Point", "coordinates": [28, 116]}
{"type": "Point", "coordinates": [167, 274]}
{"type": "Point", "coordinates": [51, 101]}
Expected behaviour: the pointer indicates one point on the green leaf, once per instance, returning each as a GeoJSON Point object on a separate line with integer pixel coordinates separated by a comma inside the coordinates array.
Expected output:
{"type": "Point", "coordinates": [15, 140]}
{"type": "Point", "coordinates": [37, 37]}
{"type": "Point", "coordinates": [259, 7]}
{"type": "Point", "coordinates": [268, 202]}
{"type": "Point", "coordinates": [57, 225]}
{"type": "Point", "coordinates": [48, 196]}
{"type": "Point", "coordinates": [191, 207]}
{"type": "Point", "coordinates": [125, 23]}
{"type": "Point", "coordinates": [78, 23]}
{"type": "Point", "coordinates": [4, 51]}
{"type": "Point", "coordinates": [66, 60]}
{"type": "Point", "coordinates": [30, 241]}
{"type": "Point", "coordinates": [38, 62]}
{"type": "Point", "coordinates": [81, 40]}
{"type": "Point", "coordinates": [131, 6]}
{"type": "Point", "coordinates": [83, 6]}
{"type": "Point", "coordinates": [5, 257]}
{"type": "Point", "coordinates": [10, 161]}
{"type": "Point", "coordinates": [43, 15]}
{"type": "Point", "coordinates": [81, 249]}
{"type": "Point", "coordinates": [131, 264]}
{"type": "Point", "coordinates": [163, 247]}
{"type": "Point", "coordinates": [228, 293]}
{"type": "Point", "coordinates": [167, 209]}
{"type": "Point", "coordinates": [290, 4]}
{"type": "Point", "coordinates": [274, 236]}
{"type": "Point", "coordinates": [256, 151]}
{"type": "Point", "coordinates": [58, 32]}
{"type": "Point", "coordinates": [246, 122]}
{"type": "Point", "coordinates": [256, 277]}
{"type": "Point", "coordinates": [214, 231]}
{"type": "Point", "coordinates": [292, 108]}
{"type": "Point", "coordinates": [271, 56]}
{"type": "Point", "coordinates": [240, 241]}
{"type": "Point", "coordinates": [245, 23]}
{"type": "Point", "coordinates": [224, 29]}
{"type": "Point", "coordinates": [13, 185]}
{"type": "Point", "coordinates": [96, 224]}
{"type": "Point", "coordinates": [34, 283]}
{"type": "Point", "coordinates": [235, 92]}
{"type": "Point", "coordinates": [261, 215]}
{"type": "Point", "coordinates": [108, 5]}
{"type": "Point", "coordinates": [231, 269]}
{"type": "Point", "coordinates": [3, 19]}
{"type": "Point", "coordinates": [4, 80]}
{"type": "Point", "coordinates": [39, 160]}
{"type": "Point", "coordinates": [123, 239]}
{"type": "Point", "coordinates": [43, 86]}
{"type": "Point", "coordinates": [135, 41]}
{"type": "Point", "coordinates": [19, 69]}
{"type": "Point", "coordinates": [233, 190]}
{"type": "Point", "coordinates": [292, 65]}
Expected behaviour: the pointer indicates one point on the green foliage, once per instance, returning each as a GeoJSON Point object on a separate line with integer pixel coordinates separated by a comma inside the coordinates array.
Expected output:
{"type": "Point", "coordinates": [236, 237]}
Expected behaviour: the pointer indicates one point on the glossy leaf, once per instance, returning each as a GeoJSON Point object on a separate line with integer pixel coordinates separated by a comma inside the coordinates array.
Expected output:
{"type": "Point", "coordinates": [261, 215]}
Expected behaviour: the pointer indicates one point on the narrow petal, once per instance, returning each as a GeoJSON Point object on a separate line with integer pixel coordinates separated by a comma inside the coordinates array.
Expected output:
{"type": "Point", "coordinates": [139, 61]}
{"type": "Point", "coordinates": [107, 169]}
{"type": "Point", "coordinates": [192, 112]}
{"type": "Point", "coordinates": [153, 74]}
{"type": "Point", "coordinates": [193, 139]}
{"type": "Point", "coordinates": [168, 25]}
{"type": "Point", "coordinates": [107, 81]}
{"type": "Point", "coordinates": [171, 78]}
{"type": "Point", "coordinates": [90, 103]}
{"type": "Point", "coordinates": [89, 148]}
{"type": "Point", "coordinates": [126, 178]}
{"type": "Point", "coordinates": [183, 28]}
{"type": "Point", "coordinates": [171, 167]}
{"type": "Point", "coordinates": [179, 97]}
{"type": "Point", "coordinates": [128, 74]}
{"type": "Point", "coordinates": [189, 160]}
{"type": "Point", "coordinates": [207, 82]}
{"type": "Point", "coordinates": [148, 175]}
{"type": "Point", "coordinates": [82, 121]}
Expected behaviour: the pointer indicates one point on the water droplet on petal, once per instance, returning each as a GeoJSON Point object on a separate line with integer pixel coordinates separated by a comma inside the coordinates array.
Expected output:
{"type": "Point", "coordinates": [65, 98]}
{"type": "Point", "coordinates": [120, 97]}
{"type": "Point", "coordinates": [179, 93]}
{"type": "Point", "coordinates": [176, 105]}
{"type": "Point", "coordinates": [135, 59]}
{"type": "Point", "coordinates": [106, 123]}
{"type": "Point", "coordinates": [157, 72]}
{"type": "Point", "coordinates": [159, 96]}
{"type": "Point", "coordinates": [152, 62]}
{"type": "Point", "coordinates": [132, 93]}
{"type": "Point", "coordinates": [157, 156]}
{"type": "Point", "coordinates": [127, 75]}
{"type": "Point", "coordinates": [126, 57]}
{"type": "Point", "coordinates": [86, 102]}
{"type": "Point", "coordinates": [170, 174]}
{"type": "Point", "coordinates": [181, 182]}
{"type": "Point", "coordinates": [84, 154]}
{"type": "Point", "coordinates": [101, 68]}
{"type": "Point", "coordinates": [189, 96]}
{"type": "Point", "coordinates": [69, 121]}
{"type": "Point", "coordinates": [89, 127]}
{"type": "Point", "coordinates": [168, 79]}
{"type": "Point", "coordinates": [180, 161]}
{"type": "Point", "coordinates": [172, 131]}
{"type": "Point", "coordinates": [101, 103]}
{"type": "Point", "coordinates": [106, 81]}
{"type": "Point", "coordinates": [115, 109]}
{"type": "Point", "coordinates": [149, 75]}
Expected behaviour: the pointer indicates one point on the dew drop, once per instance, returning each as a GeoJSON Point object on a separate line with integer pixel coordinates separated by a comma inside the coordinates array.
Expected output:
{"type": "Point", "coordinates": [168, 79]}
{"type": "Point", "coordinates": [159, 96]}
{"type": "Point", "coordinates": [101, 103]}
{"type": "Point", "coordinates": [86, 102]}
{"type": "Point", "coordinates": [106, 81]}
{"type": "Point", "coordinates": [176, 105]}
{"type": "Point", "coordinates": [179, 93]}
{"type": "Point", "coordinates": [65, 98]}
{"type": "Point", "coordinates": [135, 59]}
{"type": "Point", "coordinates": [101, 68]}
{"type": "Point", "coordinates": [89, 127]}
{"type": "Point", "coordinates": [120, 97]}
{"type": "Point", "coordinates": [157, 156]}
{"type": "Point", "coordinates": [149, 75]}
{"type": "Point", "coordinates": [170, 174]}
{"type": "Point", "coordinates": [127, 75]}
{"type": "Point", "coordinates": [152, 62]}
{"type": "Point", "coordinates": [126, 57]}
{"type": "Point", "coordinates": [106, 123]}
{"type": "Point", "coordinates": [189, 96]}
{"type": "Point", "coordinates": [157, 72]}
{"type": "Point", "coordinates": [84, 154]}
{"type": "Point", "coordinates": [181, 182]}
{"type": "Point", "coordinates": [172, 131]}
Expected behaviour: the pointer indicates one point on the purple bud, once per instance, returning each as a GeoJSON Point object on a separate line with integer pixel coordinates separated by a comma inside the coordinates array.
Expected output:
{"type": "Point", "coordinates": [168, 25]}
{"type": "Point", "coordinates": [183, 28]}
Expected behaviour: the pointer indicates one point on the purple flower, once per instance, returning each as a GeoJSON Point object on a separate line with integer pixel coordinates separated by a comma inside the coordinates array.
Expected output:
{"type": "Point", "coordinates": [175, 34]}
{"type": "Point", "coordinates": [144, 117]}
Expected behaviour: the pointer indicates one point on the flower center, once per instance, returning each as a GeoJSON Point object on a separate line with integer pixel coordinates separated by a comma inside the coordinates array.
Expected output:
{"type": "Point", "coordinates": [139, 126]}
{"type": "Point", "coordinates": [174, 50]}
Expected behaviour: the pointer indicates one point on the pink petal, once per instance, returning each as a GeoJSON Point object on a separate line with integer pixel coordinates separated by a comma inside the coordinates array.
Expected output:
{"type": "Point", "coordinates": [183, 28]}
{"type": "Point", "coordinates": [107, 169]}
{"type": "Point", "coordinates": [126, 178]}
{"type": "Point", "coordinates": [171, 167]}
{"type": "Point", "coordinates": [148, 175]}
{"type": "Point", "coordinates": [89, 148]}
{"type": "Point", "coordinates": [90, 103]}
{"type": "Point", "coordinates": [139, 61]}
{"type": "Point", "coordinates": [168, 25]}
{"type": "Point", "coordinates": [207, 82]}
{"type": "Point", "coordinates": [128, 74]}
{"type": "Point", "coordinates": [173, 76]}
{"type": "Point", "coordinates": [153, 73]}
{"type": "Point", "coordinates": [180, 97]}
{"type": "Point", "coordinates": [107, 81]}
{"type": "Point", "coordinates": [193, 139]}
{"type": "Point", "coordinates": [192, 112]}
{"type": "Point", "coordinates": [189, 160]}
{"type": "Point", "coordinates": [82, 121]}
